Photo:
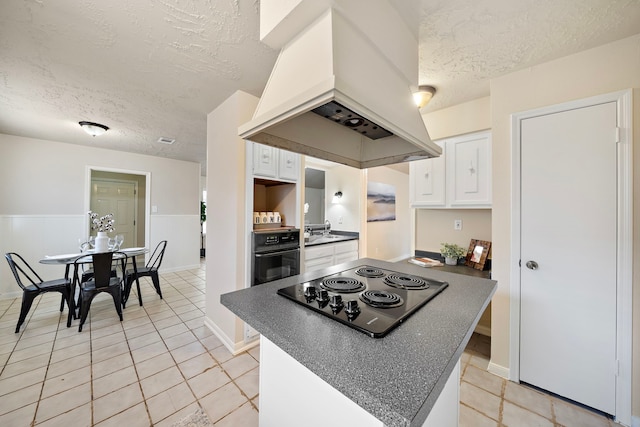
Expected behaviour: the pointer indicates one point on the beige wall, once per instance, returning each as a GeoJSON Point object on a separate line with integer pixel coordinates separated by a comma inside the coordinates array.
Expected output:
{"type": "Point", "coordinates": [605, 69]}
{"type": "Point", "coordinates": [435, 226]}
{"type": "Point", "coordinates": [390, 240]}
{"type": "Point", "coordinates": [345, 179]}
{"type": "Point", "coordinates": [44, 200]}
{"type": "Point", "coordinates": [597, 71]}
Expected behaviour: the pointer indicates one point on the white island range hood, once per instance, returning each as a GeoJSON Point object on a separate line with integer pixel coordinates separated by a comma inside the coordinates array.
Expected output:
{"type": "Point", "coordinates": [341, 89]}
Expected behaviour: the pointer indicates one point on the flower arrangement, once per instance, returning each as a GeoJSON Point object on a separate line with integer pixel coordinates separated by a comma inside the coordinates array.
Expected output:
{"type": "Point", "coordinates": [451, 250]}
{"type": "Point", "coordinates": [104, 223]}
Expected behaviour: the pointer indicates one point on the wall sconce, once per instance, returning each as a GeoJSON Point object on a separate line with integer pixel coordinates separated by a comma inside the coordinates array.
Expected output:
{"type": "Point", "coordinates": [93, 129]}
{"type": "Point", "coordinates": [423, 95]}
{"type": "Point", "coordinates": [336, 197]}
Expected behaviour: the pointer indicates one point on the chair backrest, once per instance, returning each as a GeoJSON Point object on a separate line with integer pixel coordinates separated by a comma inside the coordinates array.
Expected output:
{"type": "Point", "coordinates": [103, 265]}
{"type": "Point", "coordinates": [21, 269]}
{"type": "Point", "coordinates": [157, 255]}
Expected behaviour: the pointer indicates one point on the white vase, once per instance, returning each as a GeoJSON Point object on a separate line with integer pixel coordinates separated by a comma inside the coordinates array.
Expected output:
{"type": "Point", "coordinates": [102, 242]}
{"type": "Point", "coordinates": [451, 261]}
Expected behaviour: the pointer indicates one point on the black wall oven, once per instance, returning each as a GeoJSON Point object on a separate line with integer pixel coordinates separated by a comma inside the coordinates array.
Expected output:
{"type": "Point", "coordinates": [275, 255]}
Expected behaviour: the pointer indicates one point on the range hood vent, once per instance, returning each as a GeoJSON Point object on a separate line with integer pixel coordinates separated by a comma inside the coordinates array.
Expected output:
{"type": "Point", "coordinates": [341, 86]}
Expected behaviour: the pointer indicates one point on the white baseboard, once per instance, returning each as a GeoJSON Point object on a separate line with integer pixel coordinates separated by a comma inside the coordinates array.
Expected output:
{"type": "Point", "coordinates": [483, 330]}
{"type": "Point", "coordinates": [498, 370]}
{"type": "Point", "coordinates": [234, 348]}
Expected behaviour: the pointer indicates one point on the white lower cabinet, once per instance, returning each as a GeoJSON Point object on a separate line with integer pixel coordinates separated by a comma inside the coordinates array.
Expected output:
{"type": "Point", "coordinates": [330, 254]}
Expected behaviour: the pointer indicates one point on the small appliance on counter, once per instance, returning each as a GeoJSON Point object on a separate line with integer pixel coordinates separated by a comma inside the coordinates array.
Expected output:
{"type": "Point", "coordinates": [369, 299]}
{"type": "Point", "coordinates": [275, 254]}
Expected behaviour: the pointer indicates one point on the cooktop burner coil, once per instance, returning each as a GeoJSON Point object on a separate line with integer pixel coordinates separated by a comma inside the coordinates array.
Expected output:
{"type": "Point", "coordinates": [367, 271]}
{"type": "Point", "coordinates": [405, 281]}
{"type": "Point", "coordinates": [342, 284]}
{"type": "Point", "coordinates": [381, 299]}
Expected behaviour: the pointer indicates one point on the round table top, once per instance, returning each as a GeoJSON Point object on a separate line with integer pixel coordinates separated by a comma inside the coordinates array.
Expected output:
{"type": "Point", "coordinates": [71, 258]}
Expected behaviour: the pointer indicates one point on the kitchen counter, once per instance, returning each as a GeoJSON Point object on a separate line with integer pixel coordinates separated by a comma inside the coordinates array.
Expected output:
{"type": "Point", "coordinates": [333, 237]}
{"type": "Point", "coordinates": [412, 363]}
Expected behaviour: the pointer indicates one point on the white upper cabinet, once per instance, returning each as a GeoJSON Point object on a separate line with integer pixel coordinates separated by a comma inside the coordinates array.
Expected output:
{"type": "Point", "coordinates": [271, 162]}
{"type": "Point", "coordinates": [427, 185]}
{"type": "Point", "coordinates": [460, 178]}
{"type": "Point", "coordinates": [468, 161]}
{"type": "Point", "coordinates": [289, 165]}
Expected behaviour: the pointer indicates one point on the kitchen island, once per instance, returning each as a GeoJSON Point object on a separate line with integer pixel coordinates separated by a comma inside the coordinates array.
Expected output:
{"type": "Point", "coordinates": [396, 380]}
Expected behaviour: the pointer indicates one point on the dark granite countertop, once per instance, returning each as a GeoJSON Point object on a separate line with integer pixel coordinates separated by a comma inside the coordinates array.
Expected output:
{"type": "Point", "coordinates": [412, 363]}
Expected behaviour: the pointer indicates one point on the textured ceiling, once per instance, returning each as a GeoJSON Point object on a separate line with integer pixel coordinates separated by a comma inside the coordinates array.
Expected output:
{"type": "Point", "coordinates": [156, 68]}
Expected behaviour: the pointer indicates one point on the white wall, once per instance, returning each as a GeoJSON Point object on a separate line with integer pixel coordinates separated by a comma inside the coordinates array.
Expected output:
{"type": "Point", "coordinates": [228, 234]}
{"type": "Point", "coordinates": [344, 215]}
{"type": "Point", "coordinates": [44, 199]}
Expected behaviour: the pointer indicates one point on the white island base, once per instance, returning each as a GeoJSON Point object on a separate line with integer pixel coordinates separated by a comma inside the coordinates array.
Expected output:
{"type": "Point", "coordinates": [291, 396]}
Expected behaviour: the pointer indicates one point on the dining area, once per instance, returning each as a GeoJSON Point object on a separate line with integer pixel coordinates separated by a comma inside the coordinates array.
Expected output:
{"type": "Point", "coordinates": [102, 265]}
{"type": "Point", "coordinates": [154, 368]}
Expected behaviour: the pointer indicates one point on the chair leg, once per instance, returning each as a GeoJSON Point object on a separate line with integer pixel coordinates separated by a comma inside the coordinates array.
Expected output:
{"type": "Point", "coordinates": [116, 294]}
{"type": "Point", "coordinates": [84, 308]}
{"type": "Point", "coordinates": [137, 279]}
{"type": "Point", "coordinates": [62, 304]}
{"type": "Point", "coordinates": [156, 282]}
{"type": "Point", "coordinates": [67, 295]}
{"type": "Point", "coordinates": [27, 301]}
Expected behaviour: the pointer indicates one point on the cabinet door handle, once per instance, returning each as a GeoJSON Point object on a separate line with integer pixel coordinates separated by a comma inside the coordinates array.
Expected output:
{"type": "Point", "coordinates": [472, 170]}
{"type": "Point", "coordinates": [426, 175]}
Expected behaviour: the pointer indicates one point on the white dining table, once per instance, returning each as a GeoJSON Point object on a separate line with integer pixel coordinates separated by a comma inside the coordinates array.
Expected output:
{"type": "Point", "coordinates": [85, 258]}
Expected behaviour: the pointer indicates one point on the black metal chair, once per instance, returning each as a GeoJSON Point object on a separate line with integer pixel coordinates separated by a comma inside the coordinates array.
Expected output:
{"type": "Point", "coordinates": [103, 280]}
{"type": "Point", "coordinates": [33, 286]}
{"type": "Point", "coordinates": [149, 270]}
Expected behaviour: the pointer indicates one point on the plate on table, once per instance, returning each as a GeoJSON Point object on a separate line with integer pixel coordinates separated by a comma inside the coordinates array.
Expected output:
{"type": "Point", "coordinates": [125, 250]}
{"type": "Point", "coordinates": [63, 256]}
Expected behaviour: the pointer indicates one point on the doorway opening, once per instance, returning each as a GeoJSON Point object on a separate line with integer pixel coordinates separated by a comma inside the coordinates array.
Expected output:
{"type": "Point", "coordinates": [124, 193]}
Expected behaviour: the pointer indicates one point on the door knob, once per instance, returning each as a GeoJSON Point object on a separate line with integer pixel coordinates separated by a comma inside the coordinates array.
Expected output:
{"type": "Point", "coordinates": [532, 265]}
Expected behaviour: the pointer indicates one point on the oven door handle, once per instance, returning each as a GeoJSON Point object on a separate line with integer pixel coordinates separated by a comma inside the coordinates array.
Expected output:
{"type": "Point", "coordinates": [276, 253]}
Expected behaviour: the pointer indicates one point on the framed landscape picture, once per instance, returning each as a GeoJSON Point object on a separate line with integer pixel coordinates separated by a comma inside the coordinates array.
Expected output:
{"type": "Point", "coordinates": [381, 202]}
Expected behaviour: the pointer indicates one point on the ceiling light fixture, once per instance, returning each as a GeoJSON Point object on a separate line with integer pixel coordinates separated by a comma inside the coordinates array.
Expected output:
{"type": "Point", "coordinates": [93, 129]}
{"type": "Point", "coordinates": [423, 95]}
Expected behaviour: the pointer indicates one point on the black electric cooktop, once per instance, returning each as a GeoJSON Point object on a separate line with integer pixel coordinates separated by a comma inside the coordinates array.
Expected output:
{"type": "Point", "coordinates": [370, 299]}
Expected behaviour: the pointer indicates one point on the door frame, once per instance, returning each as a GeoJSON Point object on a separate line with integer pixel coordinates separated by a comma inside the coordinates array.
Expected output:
{"type": "Point", "coordinates": [624, 263]}
{"type": "Point", "coordinates": [147, 202]}
{"type": "Point", "coordinates": [135, 205]}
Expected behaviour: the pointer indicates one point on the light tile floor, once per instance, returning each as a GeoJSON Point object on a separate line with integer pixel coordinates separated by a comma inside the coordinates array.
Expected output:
{"type": "Point", "coordinates": [161, 363]}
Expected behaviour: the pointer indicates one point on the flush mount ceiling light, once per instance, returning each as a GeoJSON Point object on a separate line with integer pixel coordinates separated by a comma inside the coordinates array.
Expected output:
{"type": "Point", "coordinates": [423, 95]}
{"type": "Point", "coordinates": [93, 129]}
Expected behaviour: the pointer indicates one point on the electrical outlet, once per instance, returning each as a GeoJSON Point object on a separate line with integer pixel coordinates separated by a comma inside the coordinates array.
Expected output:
{"type": "Point", "coordinates": [339, 220]}
{"type": "Point", "coordinates": [457, 224]}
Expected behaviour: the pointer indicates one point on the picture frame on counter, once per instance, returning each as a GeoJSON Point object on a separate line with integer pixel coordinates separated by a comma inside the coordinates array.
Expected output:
{"type": "Point", "coordinates": [477, 254]}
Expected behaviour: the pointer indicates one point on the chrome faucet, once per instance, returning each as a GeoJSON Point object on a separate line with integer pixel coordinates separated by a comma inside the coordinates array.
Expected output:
{"type": "Point", "coordinates": [327, 228]}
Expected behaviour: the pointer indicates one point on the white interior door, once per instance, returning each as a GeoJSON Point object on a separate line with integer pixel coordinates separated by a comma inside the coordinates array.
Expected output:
{"type": "Point", "coordinates": [119, 198]}
{"type": "Point", "coordinates": [568, 228]}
